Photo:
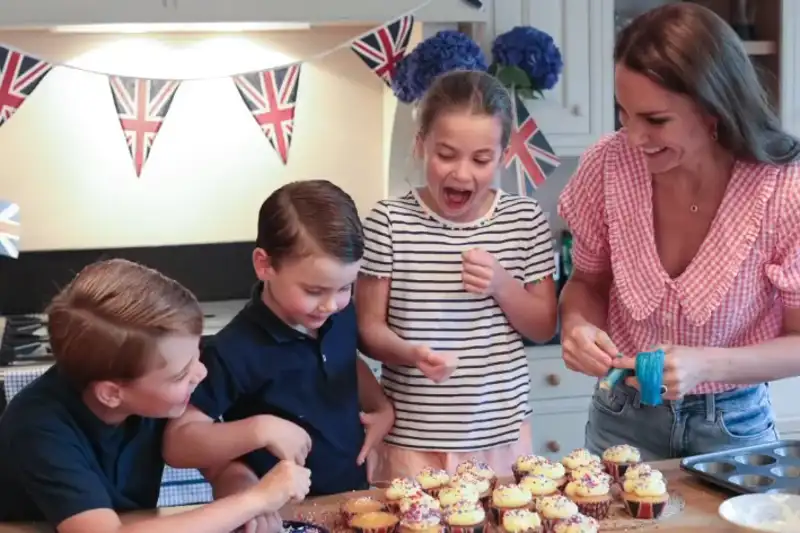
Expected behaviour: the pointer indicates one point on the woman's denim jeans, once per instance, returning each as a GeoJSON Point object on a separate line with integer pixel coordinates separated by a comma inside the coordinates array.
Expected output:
{"type": "Point", "coordinates": [693, 425]}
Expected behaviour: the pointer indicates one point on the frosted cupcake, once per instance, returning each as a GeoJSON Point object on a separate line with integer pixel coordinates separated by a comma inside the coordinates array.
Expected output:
{"type": "Point", "coordinates": [398, 490]}
{"type": "Point", "coordinates": [432, 479]}
{"type": "Point", "coordinates": [377, 522]}
{"type": "Point", "coordinates": [508, 498]}
{"type": "Point", "coordinates": [356, 506]}
{"type": "Point", "coordinates": [553, 470]}
{"type": "Point", "coordinates": [482, 486]}
{"type": "Point", "coordinates": [420, 519]}
{"type": "Point", "coordinates": [524, 465]}
{"type": "Point", "coordinates": [592, 495]}
{"type": "Point", "coordinates": [555, 509]}
{"type": "Point", "coordinates": [453, 494]}
{"type": "Point", "coordinates": [618, 459]}
{"type": "Point", "coordinates": [641, 470]}
{"type": "Point", "coordinates": [579, 458]}
{"type": "Point", "coordinates": [521, 521]}
{"type": "Point", "coordinates": [646, 497]}
{"type": "Point", "coordinates": [480, 469]}
{"type": "Point", "coordinates": [419, 498]}
{"type": "Point", "coordinates": [577, 524]}
{"type": "Point", "coordinates": [539, 487]}
{"type": "Point", "coordinates": [591, 471]}
{"type": "Point", "coordinates": [465, 517]}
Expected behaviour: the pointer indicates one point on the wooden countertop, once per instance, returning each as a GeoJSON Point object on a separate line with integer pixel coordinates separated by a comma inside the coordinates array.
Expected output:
{"type": "Point", "coordinates": [698, 516]}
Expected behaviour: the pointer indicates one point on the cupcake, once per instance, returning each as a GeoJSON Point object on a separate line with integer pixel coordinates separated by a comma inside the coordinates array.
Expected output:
{"type": "Point", "coordinates": [419, 498]}
{"type": "Point", "coordinates": [508, 498]}
{"type": "Point", "coordinates": [577, 524]}
{"type": "Point", "coordinates": [553, 470]}
{"type": "Point", "coordinates": [641, 470]}
{"type": "Point", "coordinates": [578, 458]}
{"type": "Point", "coordinates": [377, 522]}
{"type": "Point", "coordinates": [356, 506]}
{"type": "Point", "coordinates": [480, 469]}
{"type": "Point", "coordinates": [420, 518]}
{"type": "Point", "coordinates": [596, 470]}
{"type": "Point", "coordinates": [618, 459]}
{"type": "Point", "coordinates": [524, 464]}
{"type": "Point", "coordinates": [432, 479]}
{"type": "Point", "coordinates": [539, 487]}
{"type": "Point", "coordinates": [480, 485]}
{"type": "Point", "coordinates": [453, 494]}
{"type": "Point", "coordinates": [521, 521]}
{"type": "Point", "coordinates": [398, 490]}
{"type": "Point", "coordinates": [592, 495]}
{"type": "Point", "coordinates": [554, 510]}
{"type": "Point", "coordinates": [646, 497]}
{"type": "Point", "coordinates": [465, 517]}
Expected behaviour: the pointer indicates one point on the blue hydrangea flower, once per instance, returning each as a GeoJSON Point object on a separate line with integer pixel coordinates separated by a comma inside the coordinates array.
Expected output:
{"type": "Point", "coordinates": [446, 51]}
{"type": "Point", "coordinates": [533, 51]}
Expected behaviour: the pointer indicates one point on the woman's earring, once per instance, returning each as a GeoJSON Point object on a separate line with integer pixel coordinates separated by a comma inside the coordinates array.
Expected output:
{"type": "Point", "coordinates": [715, 134]}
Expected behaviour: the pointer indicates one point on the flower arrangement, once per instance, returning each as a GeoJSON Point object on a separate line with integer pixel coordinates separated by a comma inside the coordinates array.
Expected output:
{"type": "Point", "coordinates": [446, 51]}
{"type": "Point", "coordinates": [526, 60]}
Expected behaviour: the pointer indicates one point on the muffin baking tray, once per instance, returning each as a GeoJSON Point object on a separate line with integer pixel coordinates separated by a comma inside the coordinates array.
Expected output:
{"type": "Point", "coordinates": [766, 468]}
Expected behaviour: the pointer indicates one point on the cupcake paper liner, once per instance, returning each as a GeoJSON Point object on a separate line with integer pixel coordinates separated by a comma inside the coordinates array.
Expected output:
{"type": "Point", "coordinates": [434, 492]}
{"type": "Point", "coordinates": [597, 510]}
{"type": "Point", "coordinates": [549, 524]}
{"type": "Point", "coordinates": [477, 528]}
{"type": "Point", "coordinates": [617, 470]}
{"type": "Point", "coordinates": [645, 510]}
{"type": "Point", "coordinates": [518, 475]}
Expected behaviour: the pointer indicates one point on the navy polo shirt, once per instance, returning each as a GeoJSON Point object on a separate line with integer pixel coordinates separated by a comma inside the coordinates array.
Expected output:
{"type": "Point", "coordinates": [257, 364]}
{"type": "Point", "coordinates": [57, 459]}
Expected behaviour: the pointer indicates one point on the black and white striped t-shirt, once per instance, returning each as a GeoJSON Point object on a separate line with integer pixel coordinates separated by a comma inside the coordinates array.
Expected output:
{"type": "Point", "coordinates": [485, 401]}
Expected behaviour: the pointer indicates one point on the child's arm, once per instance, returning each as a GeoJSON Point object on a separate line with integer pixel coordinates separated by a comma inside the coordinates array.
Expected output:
{"type": "Point", "coordinates": [378, 417]}
{"type": "Point", "coordinates": [531, 309]}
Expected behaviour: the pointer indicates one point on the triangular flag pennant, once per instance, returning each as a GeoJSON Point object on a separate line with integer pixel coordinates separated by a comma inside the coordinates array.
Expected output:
{"type": "Point", "coordinates": [383, 49]}
{"type": "Point", "coordinates": [271, 97]}
{"type": "Point", "coordinates": [142, 105]}
{"type": "Point", "coordinates": [9, 229]}
{"type": "Point", "coordinates": [529, 158]}
{"type": "Point", "coordinates": [19, 76]}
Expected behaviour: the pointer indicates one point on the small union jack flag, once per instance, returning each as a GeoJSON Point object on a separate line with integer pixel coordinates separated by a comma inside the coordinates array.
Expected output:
{"type": "Point", "coordinates": [9, 229]}
{"type": "Point", "coordinates": [271, 97]}
{"type": "Point", "coordinates": [383, 49]}
{"type": "Point", "coordinates": [529, 159]}
{"type": "Point", "coordinates": [142, 106]}
{"type": "Point", "coordinates": [19, 76]}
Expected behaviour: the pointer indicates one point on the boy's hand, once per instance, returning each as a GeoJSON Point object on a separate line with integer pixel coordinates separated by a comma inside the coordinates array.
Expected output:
{"type": "Point", "coordinates": [437, 367]}
{"type": "Point", "coordinates": [481, 272]}
{"type": "Point", "coordinates": [285, 440]}
{"type": "Point", "coordinates": [286, 482]}
{"type": "Point", "coordinates": [376, 425]}
{"type": "Point", "coordinates": [267, 523]}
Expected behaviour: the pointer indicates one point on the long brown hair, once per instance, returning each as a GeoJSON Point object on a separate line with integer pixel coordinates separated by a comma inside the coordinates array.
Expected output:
{"type": "Point", "coordinates": [688, 49]}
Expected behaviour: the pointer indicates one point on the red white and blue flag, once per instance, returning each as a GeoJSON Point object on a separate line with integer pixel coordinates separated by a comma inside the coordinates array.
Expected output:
{"type": "Point", "coordinates": [142, 105]}
{"type": "Point", "coordinates": [271, 97]}
{"type": "Point", "coordinates": [9, 229]}
{"type": "Point", "coordinates": [383, 48]}
{"type": "Point", "coordinates": [19, 76]}
{"type": "Point", "coordinates": [529, 158]}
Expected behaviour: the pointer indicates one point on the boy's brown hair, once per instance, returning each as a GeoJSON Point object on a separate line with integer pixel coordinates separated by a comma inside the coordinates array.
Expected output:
{"type": "Point", "coordinates": [105, 324]}
{"type": "Point", "coordinates": [304, 217]}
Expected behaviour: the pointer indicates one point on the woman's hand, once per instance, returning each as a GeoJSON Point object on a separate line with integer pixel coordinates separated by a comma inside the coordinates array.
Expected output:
{"type": "Point", "coordinates": [586, 348]}
{"type": "Point", "coordinates": [684, 370]}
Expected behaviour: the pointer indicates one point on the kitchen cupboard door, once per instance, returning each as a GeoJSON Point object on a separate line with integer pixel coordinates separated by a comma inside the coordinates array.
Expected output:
{"type": "Point", "coordinates": [580, 108]}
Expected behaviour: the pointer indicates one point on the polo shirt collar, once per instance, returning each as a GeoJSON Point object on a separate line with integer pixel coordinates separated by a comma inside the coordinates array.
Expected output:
{"type": "Point", "coordinates": [279, 330]}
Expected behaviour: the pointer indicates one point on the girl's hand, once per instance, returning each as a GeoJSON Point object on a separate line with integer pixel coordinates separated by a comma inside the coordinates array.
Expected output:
{"type": "Point", "coordinates": [437, 367]}
{"type": "Point", "coordinates": [684, 370]}
{"type": "Point", "coordinates": [480, 272]}
{"type": "Point", "coordinates": [586, 348]}
{"type": "Point", "coordinates": [376, 426]}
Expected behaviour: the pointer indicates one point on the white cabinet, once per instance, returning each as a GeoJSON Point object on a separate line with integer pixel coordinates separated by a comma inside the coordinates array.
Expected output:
{"type": "Point", "coordinates": [580, 108]}
{"type": "Point", "coordinates": [49, 13]}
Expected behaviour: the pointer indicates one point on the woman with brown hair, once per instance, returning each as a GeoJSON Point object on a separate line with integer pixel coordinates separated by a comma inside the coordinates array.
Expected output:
{"type": "Point", "coordinates": [686, 227]}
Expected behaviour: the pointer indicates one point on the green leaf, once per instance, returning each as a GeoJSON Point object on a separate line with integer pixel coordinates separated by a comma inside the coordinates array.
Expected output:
{"type": "Point", "coordinates": [526, 93]}
{"type": "Point", "coordinates": [513, 77]}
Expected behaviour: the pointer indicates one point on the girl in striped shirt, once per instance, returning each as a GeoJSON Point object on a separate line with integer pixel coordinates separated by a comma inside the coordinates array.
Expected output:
{"type": "Point", "coordinates": [455, 273]}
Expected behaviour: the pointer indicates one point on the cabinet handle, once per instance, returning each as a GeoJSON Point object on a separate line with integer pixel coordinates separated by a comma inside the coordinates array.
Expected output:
{"type": "Point", "coordinates": [553, 446]}
{"type": "Point", "coordinates": [576, 110]}
{"type": "Point", "coordinates": [553, 380]}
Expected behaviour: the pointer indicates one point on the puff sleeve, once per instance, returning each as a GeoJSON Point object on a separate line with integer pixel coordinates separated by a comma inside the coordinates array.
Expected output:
{"type": "Point", "coordinates": [783, 271]}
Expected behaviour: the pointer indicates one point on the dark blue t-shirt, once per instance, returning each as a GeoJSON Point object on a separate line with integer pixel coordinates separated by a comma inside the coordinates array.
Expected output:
{"type": "Point", "coordinates": [257, 364]}
{"type": "Point", "coordinates": [57, 459]}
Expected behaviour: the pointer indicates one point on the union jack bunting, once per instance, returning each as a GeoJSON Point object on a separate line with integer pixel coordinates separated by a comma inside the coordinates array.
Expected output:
{"type": "Point", "coordinates": [271, 97]}
{"type": "Point", "coordinates": [529, 159]}
{"type": "Point", "coordinates": [142, 105]}
{"type": "Point", "coordinates": [9, 229]}
{"type": "Point", "coordinates": [383, 49]}
{"type": "Point", "coordinates": [19, 76]}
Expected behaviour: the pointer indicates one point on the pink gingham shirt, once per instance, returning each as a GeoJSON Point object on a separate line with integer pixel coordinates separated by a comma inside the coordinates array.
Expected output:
{"type": "Point", "coordinates": [734, 291]}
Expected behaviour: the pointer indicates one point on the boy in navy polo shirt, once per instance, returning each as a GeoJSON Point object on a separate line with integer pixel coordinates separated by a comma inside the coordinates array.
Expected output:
{"type": "Point", "coordinates": [287, 367]}
{"type": "Point", "coordinates": [83, 442]}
